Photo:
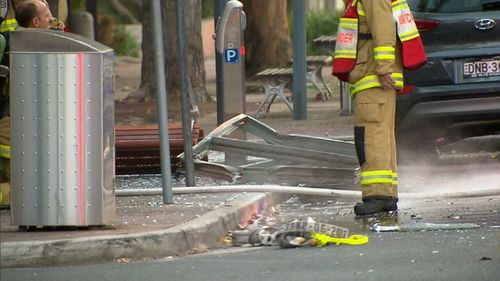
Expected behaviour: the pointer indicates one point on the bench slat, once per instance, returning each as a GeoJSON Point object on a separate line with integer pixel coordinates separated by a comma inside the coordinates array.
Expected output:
{"type": "Point", "coordinates": [137, 148]}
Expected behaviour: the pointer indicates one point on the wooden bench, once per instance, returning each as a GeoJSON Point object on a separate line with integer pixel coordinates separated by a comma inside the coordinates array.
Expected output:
{"type": "Point", "coordinates": [326, 42]}
{"type": "Point", "coordinates": [276, 80]}
{"type": "Point", "coordinates": [138, 147]}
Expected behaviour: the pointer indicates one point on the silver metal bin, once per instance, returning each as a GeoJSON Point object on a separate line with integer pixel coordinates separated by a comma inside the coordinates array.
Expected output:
{"type": "Point", "coordinates": [62, 129]}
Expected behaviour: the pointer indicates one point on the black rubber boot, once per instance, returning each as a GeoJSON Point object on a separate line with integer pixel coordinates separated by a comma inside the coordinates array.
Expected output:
{"type": "Point", "coordinates": [374, 205]}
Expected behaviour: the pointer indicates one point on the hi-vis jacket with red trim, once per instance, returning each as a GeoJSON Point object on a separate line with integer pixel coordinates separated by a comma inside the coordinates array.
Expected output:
{"type": "Point", "coordinates": [367, 44]}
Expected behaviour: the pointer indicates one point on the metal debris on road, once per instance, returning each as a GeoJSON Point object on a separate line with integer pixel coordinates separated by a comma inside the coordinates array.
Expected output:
{"type": "Point", "coordinates": [423, 227]}
{"type": "Point", "coordinates": [296, 233]}
{"type": "Point", "coordinates": [259, 154]}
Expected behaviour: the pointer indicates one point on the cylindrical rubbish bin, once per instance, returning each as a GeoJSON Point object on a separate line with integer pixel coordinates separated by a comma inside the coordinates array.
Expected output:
{"type": "Point", "coordinates": [62, 129]}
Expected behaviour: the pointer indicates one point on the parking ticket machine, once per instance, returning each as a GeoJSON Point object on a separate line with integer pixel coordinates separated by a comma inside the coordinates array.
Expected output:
{"type": "Point", "coordinates": [230, 47]}
{"type": "Point", "coordinates": [230, 50]}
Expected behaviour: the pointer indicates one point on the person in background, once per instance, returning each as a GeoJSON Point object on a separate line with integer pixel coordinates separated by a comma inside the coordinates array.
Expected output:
{"type": "Point", "coordinates": [36, 14]}
{"type": "Point", "coordinates": [9, 22]}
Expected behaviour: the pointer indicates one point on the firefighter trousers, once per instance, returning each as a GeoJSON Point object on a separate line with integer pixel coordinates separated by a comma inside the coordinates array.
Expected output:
{"type": "Point", "coordinates": [375, 141]}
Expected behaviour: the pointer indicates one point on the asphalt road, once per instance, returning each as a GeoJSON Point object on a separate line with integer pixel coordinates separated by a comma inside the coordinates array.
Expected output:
{"type": "Point", "coordinates": [467, 254]}
{"type": "Point", "coordinates": [448, 255]}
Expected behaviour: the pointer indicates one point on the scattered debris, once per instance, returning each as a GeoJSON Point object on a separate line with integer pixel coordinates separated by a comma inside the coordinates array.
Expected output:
{"type": "Point", "coordinates": [195, 251]}
{"type": "Point", "coordinates": [297, 233]}
{"type": "Point", "coordinates": [423, 227]}
{"type": "Point", "coordinates": [123, 260]}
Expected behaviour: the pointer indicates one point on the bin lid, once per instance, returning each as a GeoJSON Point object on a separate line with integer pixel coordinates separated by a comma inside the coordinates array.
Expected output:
{"type": "Point", "coordinates": [37, 40]}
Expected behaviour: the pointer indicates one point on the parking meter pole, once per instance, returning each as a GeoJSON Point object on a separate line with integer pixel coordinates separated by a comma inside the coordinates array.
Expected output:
{"type": "Point", "coordinates": [219, 9]}
{"type": "Point", "coordinates": [185, 110]}
{"type": "Point", "coordinates": [162, 103]}
{"type": "Point", "coordinates": [229, 45]}
{"type": "Point", "coordinates": [299, 61]}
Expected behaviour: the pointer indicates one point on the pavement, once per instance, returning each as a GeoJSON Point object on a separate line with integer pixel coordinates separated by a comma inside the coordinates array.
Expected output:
{"type": "Point", "coordinates": [144, 227]}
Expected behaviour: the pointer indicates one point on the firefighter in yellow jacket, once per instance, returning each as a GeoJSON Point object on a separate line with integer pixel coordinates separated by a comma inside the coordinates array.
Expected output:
{"type": "Point", "coordinates": [375, 40]}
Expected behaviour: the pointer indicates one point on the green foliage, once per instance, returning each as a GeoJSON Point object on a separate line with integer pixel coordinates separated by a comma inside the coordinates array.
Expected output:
{"type": "Point", "coordinates": [124, 44]}
{"type": "Point", "coordinates": [318, 24]}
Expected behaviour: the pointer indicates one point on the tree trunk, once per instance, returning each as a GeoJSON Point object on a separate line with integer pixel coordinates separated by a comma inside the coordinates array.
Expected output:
{"type": "Point", "coordinates": [267, 39]}
{"type": "Point", "coordinates": [194, 43]}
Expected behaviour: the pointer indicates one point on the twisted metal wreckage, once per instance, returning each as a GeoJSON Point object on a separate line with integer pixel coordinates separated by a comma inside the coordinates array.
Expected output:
{"type": "Point", "coordinates": [256, 153]}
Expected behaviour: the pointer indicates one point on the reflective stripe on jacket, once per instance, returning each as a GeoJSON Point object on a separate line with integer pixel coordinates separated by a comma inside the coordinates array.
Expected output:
{"type": "Point", "coordinates": [8, 25]}
{"type": "Point", "coordinates": [4, 151]}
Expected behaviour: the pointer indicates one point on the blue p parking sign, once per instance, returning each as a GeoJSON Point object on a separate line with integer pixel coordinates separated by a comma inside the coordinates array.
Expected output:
{"type": "Point", "coordinates": [231, 55]}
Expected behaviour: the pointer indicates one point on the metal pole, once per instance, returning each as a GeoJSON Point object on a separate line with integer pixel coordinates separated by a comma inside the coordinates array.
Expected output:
{"type": "Point", "coordinates": [299, 60]}
{"type": "Point", "coordinates": [219, 9]}
{"type": "Point", "coordinates": [186, 113]}
{"type": "Point", "coordinates": [162, 103]}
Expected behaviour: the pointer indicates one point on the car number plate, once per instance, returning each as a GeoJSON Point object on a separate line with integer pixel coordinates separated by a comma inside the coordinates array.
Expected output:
{"type": "Point", "coordinates": [482, 68]}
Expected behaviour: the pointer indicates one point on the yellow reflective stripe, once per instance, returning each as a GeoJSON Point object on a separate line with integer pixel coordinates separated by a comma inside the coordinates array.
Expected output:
{"type": "Point", "coordinates": [364, 83]}
{"type": "Point", "coordinates": [348, 22]}
{"type": "Point", "coordinates": [379, 176]}
{"type": "Point", "coordinates": [399, 5]}
{"type": "Point", "coordinates": [409, 35]}
{"type": "Point", "coordinates": [8, 25]}
{"type": "Point", "coordinates": [395, 178]}
{"type": "Point", "coordinates": [398, 80]}
{"type": "Point", "coordinates": [384, 49]}
{"type": "Point", "coordinates": [4, 151]}
{"type": "Point", "coordinates": [346, 54]}
{"type": "Point", "coordinates": [371, 81]}
{"type": "Point", "coordinates": [384, 53]}
{"type": "Point", "coordinates": [360, 9]}
{"type": "Point", "coordinates": [377, 173]}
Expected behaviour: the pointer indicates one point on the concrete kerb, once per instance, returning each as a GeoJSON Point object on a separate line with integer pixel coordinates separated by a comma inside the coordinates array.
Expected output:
{"type": "Point", "coordinates": [202, 233]}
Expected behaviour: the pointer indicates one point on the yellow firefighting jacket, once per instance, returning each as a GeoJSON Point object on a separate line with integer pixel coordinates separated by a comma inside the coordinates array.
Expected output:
{"type": "Point", "coordinates": [368, 45]}
{"type": "Point", "coordinates": [9, 23]}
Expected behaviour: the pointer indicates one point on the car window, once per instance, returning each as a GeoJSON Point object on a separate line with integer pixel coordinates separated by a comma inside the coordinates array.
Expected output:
{"type": "Point", "coordinates": [453, 6]}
